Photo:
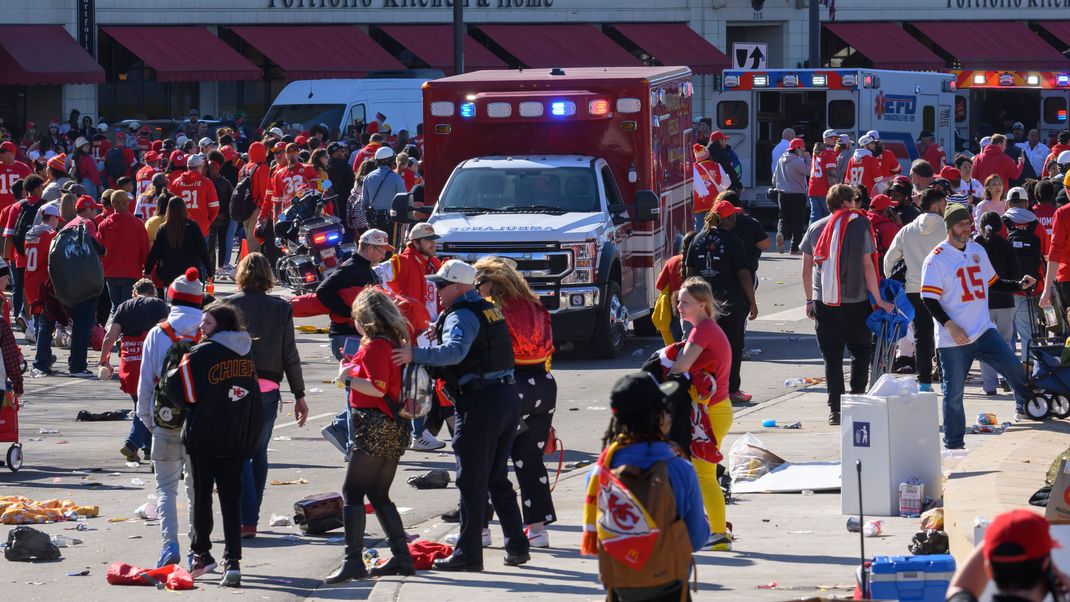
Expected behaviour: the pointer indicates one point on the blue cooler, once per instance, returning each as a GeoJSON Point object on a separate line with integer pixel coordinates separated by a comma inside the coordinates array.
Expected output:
{"type": "Point", "coordinates": [922, 578]}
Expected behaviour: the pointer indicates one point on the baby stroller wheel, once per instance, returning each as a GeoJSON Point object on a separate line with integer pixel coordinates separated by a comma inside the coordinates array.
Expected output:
{"type": "Point", "coordinates": [1038, 407]}
{"type": "Point", "coordinates": [14, 457]}
{"type": "Point", "coordinates": [1060, 406]}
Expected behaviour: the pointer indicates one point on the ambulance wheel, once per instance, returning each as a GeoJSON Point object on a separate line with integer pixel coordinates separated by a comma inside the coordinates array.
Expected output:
{"type": "Point", "coordinates": [611, 325]}
{"type": "Point", "coordinates": [1038, 407]}
{"type": "Point", "coordinates": [1060, 406]}
{"type": "Point", "coordinates": [14, 457]}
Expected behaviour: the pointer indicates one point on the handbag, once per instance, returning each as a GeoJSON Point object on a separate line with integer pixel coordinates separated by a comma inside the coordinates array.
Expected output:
{"type": "Point", "coordinates": [555, 446]}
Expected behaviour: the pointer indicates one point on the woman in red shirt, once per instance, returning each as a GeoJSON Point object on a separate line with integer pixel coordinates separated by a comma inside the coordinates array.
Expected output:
{"type": "Point", "coordinates": [377, 434]}
{"type": "Point", "coordinates": [533, 346]}
{"type": "Point", "coordinates": [672, 275]}
{"type": "Point", "coordinates": [707, 352]}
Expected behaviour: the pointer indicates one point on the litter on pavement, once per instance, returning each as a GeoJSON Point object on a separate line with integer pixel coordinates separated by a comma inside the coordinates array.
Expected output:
{"type": "Point", "coordinates": [18, 510]}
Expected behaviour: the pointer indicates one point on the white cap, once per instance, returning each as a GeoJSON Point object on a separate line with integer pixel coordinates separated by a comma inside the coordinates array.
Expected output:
{"type": "Point", "coordinates": [50, 209]}
{"type": "Point", "coordinates": [384, 152]}
{"type": "Point", "coordinates": [205, 142]}
{"type": "Point", "coordinates": [874, 134]}
{"type": "Point", "coordinates": [829, 134]}
{"type": "Point", "coordinates": [423, 230]}
{"type": "Point", "coordinates": [376, 238]}
{"type": "Point", "coordinates": [194, 161]}
{"type": "Point", "coordinates": [1063, 158]}
{"type": "Point", "coordinates": [1018, 192]}
{"type": "Point", "coordinates": [80, 142]}
{"type": "Point", "coordinates": [181, 139]}
{"type": "Point", "coordinates": [986, 141]}
{"type": "Point", "coordinates": [864, 140]}
{"type": "Point", "coordinates": [454, 271]}
{"type": "Point", "coordinates": [845, 139]}
{"type": "Point", "coordinates": [133, 125]}
{"type": "Point", "coordinates": [276, 132]}
{"type": "Point", "coordinates": [103, 127]}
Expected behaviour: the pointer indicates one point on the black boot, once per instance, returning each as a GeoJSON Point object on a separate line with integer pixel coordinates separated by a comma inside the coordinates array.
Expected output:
{"type": "Point", "coordinates": [401, 562]}
{"type": "Point", "coordinates": [353, 564]}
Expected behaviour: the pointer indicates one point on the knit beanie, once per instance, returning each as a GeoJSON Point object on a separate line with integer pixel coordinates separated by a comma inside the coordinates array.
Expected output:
{"type": "Point", "coordinates": [954, 214]}
{"type": "Point", "coordinates": [187, 290]}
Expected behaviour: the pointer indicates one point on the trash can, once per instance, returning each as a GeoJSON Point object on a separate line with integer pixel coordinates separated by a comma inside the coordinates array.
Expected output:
{"type": "Point", "coordinates": [914, 578]}
{"type": "Point", "coordinates": [897, 438]}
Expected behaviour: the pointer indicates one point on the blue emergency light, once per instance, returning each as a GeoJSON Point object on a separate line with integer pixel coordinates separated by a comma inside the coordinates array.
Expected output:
{"type": "Point", "coordinates": [468, 109]}
{"type": "Point", "coordinates": [562, 108]}
{"type": "Point", "coordinates": [1062, 79]}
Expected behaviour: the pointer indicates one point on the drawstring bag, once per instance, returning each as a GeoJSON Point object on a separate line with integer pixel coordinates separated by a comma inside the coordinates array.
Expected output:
{"type": "Point", "coordinates": [555, 446]}
{"type": "Point", "coordinates": [417, 391]}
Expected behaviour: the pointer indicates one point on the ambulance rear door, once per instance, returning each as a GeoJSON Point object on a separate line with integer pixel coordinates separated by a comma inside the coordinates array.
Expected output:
{"type": "Point", "coordinates": [842, 112]}
{"type": "Point", "coordinates": [734, 115]}
{"type": "Point", "coordinates": [1053, 110]}
{"type": "Point", "coordinates": [961, 114]}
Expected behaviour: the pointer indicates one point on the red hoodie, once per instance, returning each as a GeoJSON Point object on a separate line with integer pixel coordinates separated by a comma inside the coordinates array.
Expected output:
{"type": "Point", "coordinates": [257, 166]}
{"type": "Point", "coordinates": [993, 161]}
{"type": "Point", "coordinates": [126, 245]}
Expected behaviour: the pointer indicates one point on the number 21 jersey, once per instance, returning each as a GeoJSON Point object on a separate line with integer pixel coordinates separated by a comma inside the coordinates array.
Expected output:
{"type": "Point", "coordinates": [959, 280]}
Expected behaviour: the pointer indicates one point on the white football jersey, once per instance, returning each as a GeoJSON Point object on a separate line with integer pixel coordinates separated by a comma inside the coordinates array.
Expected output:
{"type": "Point", "coordinates": [959, 280]}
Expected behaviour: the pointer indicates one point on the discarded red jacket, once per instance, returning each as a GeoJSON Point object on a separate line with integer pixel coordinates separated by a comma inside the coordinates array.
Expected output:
{"type": "Point", "coordinates": [173, 576]}
{"type": "Point", "coordinates": [425, 552]}
{"type": "Point", "coordinates": [308, 305]}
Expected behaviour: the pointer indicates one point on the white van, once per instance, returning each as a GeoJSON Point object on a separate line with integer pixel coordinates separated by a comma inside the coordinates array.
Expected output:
{"type": "Point", "coordinates": [341, 103]}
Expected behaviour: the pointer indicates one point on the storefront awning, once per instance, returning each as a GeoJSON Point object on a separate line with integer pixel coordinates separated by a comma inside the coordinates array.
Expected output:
{"type": "Point", "coordinates": [319, 51]}
{"type": "Point", "coordinates": [559, 45]}
{"type": "Point", "coordinates": [1059, 29]}
{"type": "Point", "coordinates": [44, 55]}
{"type": "Point", "coordinates": [676, 44]}
{"type": "Point", "coordinates": [184, 54]}
{"type": "Point", "coordinates": [433, 44]}
{"type": "Point", "coordinates": [887, 46]}
{"type": "Point", "coordinates": [993, 45]}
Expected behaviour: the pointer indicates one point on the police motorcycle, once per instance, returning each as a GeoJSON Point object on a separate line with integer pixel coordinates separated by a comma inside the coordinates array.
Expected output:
{"type": "Point", "coordinates": [311, 243]}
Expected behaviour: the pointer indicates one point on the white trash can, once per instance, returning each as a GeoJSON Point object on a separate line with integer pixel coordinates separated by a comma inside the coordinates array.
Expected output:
{"type": "Point", "coordinates": [897, 438]}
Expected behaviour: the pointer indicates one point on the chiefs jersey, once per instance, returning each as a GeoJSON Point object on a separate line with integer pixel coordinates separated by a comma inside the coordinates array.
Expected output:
{"type": "Point", "coordinates": [198, 192]}
{"type": "Point", "coordinates": [287, 182]}
{"type": "Point", "coordinates": [144, 179]}
{"type": "Point", "coordinates": [38, 241]}
{"type": "Point", "coordinates": [9, 174]}
{"type": "Point", "coordinates": [890, 166]}
{"type": "Point", "coordinates": [863, 170]}
{"type": "Point", "coordinates": [709, 180]}
{"type": "Point", "coordinates": [819, 166]}
{"type": "Point", "coordinates": [959, 280]}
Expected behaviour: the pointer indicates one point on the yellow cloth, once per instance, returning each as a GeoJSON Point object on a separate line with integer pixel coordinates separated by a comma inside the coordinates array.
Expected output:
{"type": "Point", "coordinates": [18, 510]}
{"type": "Point", "coordinates": [152, 226]}
{"type": "Point", "coordinates": [712, 496]}
{"type": "Point", "coordinates": [662, 315]}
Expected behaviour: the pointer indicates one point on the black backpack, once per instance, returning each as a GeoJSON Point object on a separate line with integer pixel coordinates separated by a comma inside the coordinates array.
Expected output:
{"type": "Point", "coordinates": [169, 408]}
{"type": "Point", "coordinates": [242, 204]}
{"type": "Point", "coordinates": [114, 163]}
{"type": "Point", "coordinates": [1027, 245]}
{"type": "Point", "coordinates": [23, 224]}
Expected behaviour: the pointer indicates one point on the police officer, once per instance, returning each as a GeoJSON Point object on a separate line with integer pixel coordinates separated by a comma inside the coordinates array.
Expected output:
{"type": "Point", "coordinates": [379, 189]}
{"type": "Point", "coordinates": [474, 356]}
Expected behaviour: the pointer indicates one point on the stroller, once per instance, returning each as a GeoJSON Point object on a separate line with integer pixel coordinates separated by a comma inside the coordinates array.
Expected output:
{"type": "Point", "coordinates": [889, 327]}
{"type": "Point", "coordinates": [1049, 380]}
{"type": "Point", "coordinates": [9, 430]}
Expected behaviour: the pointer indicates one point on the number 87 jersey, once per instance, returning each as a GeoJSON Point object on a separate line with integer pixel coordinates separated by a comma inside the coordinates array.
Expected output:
{"type": "Point", "coordinates": [959, 280]}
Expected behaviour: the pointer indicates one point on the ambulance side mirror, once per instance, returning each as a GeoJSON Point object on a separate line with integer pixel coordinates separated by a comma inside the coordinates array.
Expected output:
{"type": "Point", "coordinates": [647, 206]}
{"type": "Point", "coordinates": [401, 208]}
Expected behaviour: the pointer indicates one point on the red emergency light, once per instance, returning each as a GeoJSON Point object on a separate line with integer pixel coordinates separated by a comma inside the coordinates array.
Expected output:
{"type": "Point", "coordinates": [598, 106]}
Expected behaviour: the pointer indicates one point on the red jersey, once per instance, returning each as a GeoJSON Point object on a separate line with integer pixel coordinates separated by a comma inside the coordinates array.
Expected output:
{"type": "Point", "coordinates": [288, 181]}
{"type": "Point", "coordinates": [935, 156]}
{"type": "Point", "coordinates": [368, 152]}
{"type": "Point", "coordinates": [9, 174]}
{"type": "Point", "coordinates": [144, 179]}
{"type": "Point", "coordinates": [863, 170]}
{"type": "Point", "coordinates": [198, 192]}
{"type": "Point", "coordinates": [372, 361]}
{"type": "Point", "coordinates": [144, 145]}
{"type": "Point", "coordinates": [99, 150]}
{"type": "Point", "coordinates": [10, 218]}
{"type": "Point", "coordinates": [38, 241]}
{"type": "Point", "coordinates": [890, 166]}
{"type": "Point", "coordinates": [1060, 243]}
{"type": "Point", "coordinates": [1046, 216]}
{"type": "Point", "coordinates": [819, 182]}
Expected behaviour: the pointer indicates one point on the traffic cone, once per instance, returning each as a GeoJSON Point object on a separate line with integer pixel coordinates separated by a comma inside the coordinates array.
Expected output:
{"type": "Point", "coordinates": [244, 249]}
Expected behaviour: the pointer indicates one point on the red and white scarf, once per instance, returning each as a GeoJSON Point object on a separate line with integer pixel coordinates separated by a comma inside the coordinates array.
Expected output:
{"type": "Point", "coordinates": [828, 250]}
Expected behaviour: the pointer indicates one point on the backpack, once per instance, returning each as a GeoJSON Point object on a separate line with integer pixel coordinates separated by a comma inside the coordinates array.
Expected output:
{"type": "Point", "coordinates": [23, 224]}
{"type": "Point", "coordinates": [115, 163]}
{"type": "Point", "coordinates": [1027, 246]}
{"type": "Point", "coordinates": [74, 266]}
{"type": "Point", "coordinates": [633, 501]}
{"type": "Point", "coordinates": [356, 219]}
{"type": "Point", "coordinates": [417, 391]}
{"type": "Point", "coordinates": [169, 408]}
{"type": "Point", "coordinates": [242, 204]}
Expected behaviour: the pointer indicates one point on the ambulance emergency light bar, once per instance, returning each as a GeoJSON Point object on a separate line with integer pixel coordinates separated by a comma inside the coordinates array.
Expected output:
{"type": "Point", "coordinates": [830, 79]}
{"type": "Point", "coordinates": [557, 105]}
{"type": "Point", "coordinates": [1012, 79]}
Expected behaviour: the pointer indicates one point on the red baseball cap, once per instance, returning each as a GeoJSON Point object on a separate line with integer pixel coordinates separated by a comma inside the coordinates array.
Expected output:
{"type": "Point", "coordinates": [881, 201]}
{"type": "Point", "coordinates": [796, 143]}
{"type": "Point", "coordinates": [301, 140]}
{"type": "Point", "coordinates": [717, 135]}
{"type": "Point", "coordinates": [157, 145]}
{"type": "Point", "coordinates": [85, 202]}
{"type": "Point", "coordinates": [178, 158]}
{"type": "Point", "coordinates": [152, 157]}
{"type": "Point", "coordinates": [8, 147]}
{"type": "Point", "coordinates": [229, 154]}
{"type": "Point", "coordinates": [725, 209]}
{"type": "Point", "coordinates": [951, 173]}
{"type": "Point", "coordinates": [1025, 532]}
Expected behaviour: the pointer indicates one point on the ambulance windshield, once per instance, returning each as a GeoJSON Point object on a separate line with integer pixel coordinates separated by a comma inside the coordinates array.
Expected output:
{"type": "Point", "coordinates": [529, 190]}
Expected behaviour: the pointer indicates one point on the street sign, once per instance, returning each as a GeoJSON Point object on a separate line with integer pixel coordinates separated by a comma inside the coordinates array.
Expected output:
{"type": "Point", "coordinates": [749, 55]}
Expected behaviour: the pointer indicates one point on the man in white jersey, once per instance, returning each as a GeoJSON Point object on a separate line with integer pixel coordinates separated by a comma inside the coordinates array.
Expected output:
{"type": "Point", "coordinates": [955, 280]}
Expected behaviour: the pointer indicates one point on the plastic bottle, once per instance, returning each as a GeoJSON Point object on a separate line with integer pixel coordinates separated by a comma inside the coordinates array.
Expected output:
{"type": "Point", "coordinates": [1051, 319]}
{"type": "Point", "coordinates": [794, 382]}
{"type": "Point", "coordinates": [872, 528]}
{"type": "Point", "coordinates": [62, 541]}
{"type": "Point", "coordinates": [769, 423]}
{"type": "Point", "coordinates": [209, 289]}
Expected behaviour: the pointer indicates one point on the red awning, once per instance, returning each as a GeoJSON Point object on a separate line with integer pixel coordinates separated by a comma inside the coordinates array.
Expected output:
{"type": "Point", "coordinates": [993, 45]}
{"type": "Point", "coordinates": [184, 54]}
{"type": "Point", "coordinates": [887, 46]}
{"type": "Point", "coordinates": [1059, 29]}
{"type": "Point", "coordinates": [44, 55]}
{"type": "Point", "coordinates": [319, 51]}
{"type": "Point", "coordinates": [676, 44]}
{"type": "Point", "coordinates": [433, 44]}
{"type": "Point", "coordinates": [561, 45]}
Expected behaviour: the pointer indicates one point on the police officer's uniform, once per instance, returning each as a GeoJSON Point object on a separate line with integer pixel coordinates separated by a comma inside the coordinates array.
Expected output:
{"type": "Point", "coordinates": [473, 354]}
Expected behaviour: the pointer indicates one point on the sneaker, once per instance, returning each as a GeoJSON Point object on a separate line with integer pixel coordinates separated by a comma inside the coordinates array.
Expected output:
{"type": "Point", "coordinates": [20, 323]}
{"type": "Point", "coordinates": [452, 538]}
{"type": "Point", "coordinates": [739, 397]}
{"type": "Point", "coordinates": [231, 576]}
{"type": "Point", "coordinates": [130, 453]}
{"type": "Point", "coordinates": [452, 516]}
{"type": "Point", "coordinates": [201, 564]}
{"type": "Point", "coordinates": [540, 539]}
{"type": "Point", "coordinates": [903, 364]}
{"type": "Point", "coordinates": [82, 374]}
{"type": "Point", "coordinates": [834, 418]}
{"type": "Point", "coordinates": [30, 336]}
{"type": "Point", "coordinates": [426, 442]}
{"type": "Point", "coordinates": [925, 388]}
{"type": "Point", "coordinates": [337, 439]}
{"type": "Point", "coordinates": [248, 531]}
{"type": "Point", "coordinates": [718, 542]}
{"type": "Point", "coordinates": [779, 242]}
{"type": "Point", "coordinates": [169, 554]}
{"type": "Point", "coordinates": [39, 373]}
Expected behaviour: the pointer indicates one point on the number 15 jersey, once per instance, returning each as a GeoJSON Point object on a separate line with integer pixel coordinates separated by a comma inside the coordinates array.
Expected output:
{"type": "Point", "coordinates": [959, 280]}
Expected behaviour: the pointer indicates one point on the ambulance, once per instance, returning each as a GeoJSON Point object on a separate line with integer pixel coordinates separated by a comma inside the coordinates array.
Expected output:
{"type": "Point", "coordinates": [754, 107]}
{"type": "Point", "coordinates": [581, 176]}
{"type": "Point", "coordinates": [989, 102]}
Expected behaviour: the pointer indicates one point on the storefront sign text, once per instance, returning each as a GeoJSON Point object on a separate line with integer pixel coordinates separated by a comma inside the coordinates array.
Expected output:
{"type": "Point", "coordinates": [409, 3]}
{"type": "Point", "coordinates": [1008, 3]}
{"type": "Point", "coordinates": [87, 26]}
